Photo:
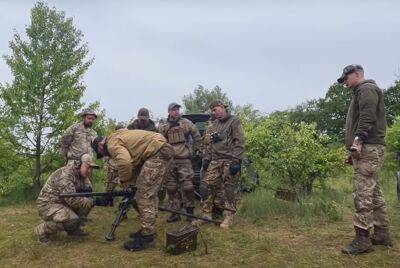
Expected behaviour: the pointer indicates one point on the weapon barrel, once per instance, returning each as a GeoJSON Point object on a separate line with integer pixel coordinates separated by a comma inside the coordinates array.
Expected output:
{"type": "Point", "coordinates": [91, 194]}
{"type": "Point", "coordinates": [188, 215]}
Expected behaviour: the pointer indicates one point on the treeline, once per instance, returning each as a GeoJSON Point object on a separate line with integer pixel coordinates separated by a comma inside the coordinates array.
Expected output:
{"type": "Point", "coordinates": [291, 150]}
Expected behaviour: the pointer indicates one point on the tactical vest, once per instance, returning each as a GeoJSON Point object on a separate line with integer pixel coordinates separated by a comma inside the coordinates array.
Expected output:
{"type": "Point", "coordinates": [176, 135]}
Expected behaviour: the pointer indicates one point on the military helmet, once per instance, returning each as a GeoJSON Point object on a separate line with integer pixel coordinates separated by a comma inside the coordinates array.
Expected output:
{"type": "Point", "coordinates": [88, 159]}
{"type": "Point", "coordinates": [88, 111]}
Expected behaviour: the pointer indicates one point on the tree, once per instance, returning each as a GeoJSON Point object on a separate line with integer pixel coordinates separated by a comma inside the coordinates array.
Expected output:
{"type": "Point", "coordinates": [291, 156]}
{"type": "Point", "coordinates": [47, 86]}
{"type": "Point", "coordinates": [200, 99]}
{"type": "Point", "coordinates": [392, 102]}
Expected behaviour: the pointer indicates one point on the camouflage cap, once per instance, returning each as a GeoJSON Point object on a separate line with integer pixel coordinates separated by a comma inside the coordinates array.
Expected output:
{"type": "Point", "coordinates": [217, 103]}
{"type": "Point", "coordinates": [348, 70]}
{"type": "Point", "coordinates": [88, 111]}
{"type": "Point", "coordinates": [88, 159]}
{"type": "Point", "coordinates": [173, 105]}
{"type": "Point", "coordinates": [143, 113]}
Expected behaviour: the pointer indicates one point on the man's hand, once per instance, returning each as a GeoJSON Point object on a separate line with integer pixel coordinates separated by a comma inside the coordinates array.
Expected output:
{"type": "Point", "coordinates": [205, 163]}
{"type": "Point", "coordinates": [355, 148]}
{"type": "Point", "coordinates": [235, 167]}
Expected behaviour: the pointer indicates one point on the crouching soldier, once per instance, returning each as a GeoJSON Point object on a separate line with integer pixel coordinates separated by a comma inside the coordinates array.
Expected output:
{"type": "Point", "coordinates": [148, 154]}
{"type": "Point", "coordinates": [64, 214]}
{"type": "Point", "coordinates": [222, 160]}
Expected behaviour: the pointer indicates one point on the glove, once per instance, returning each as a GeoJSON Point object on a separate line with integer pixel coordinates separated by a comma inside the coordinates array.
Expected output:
{"type": "Point", "coordinates": [348, 159]}
{"type": "Point", "coordinates": [205, 163]}
{"type": "Point", "coordinates": [235, 167]}
{"type": "Point", "coordinates": [103, 201]}
{"type": "Point", "coordinates": [355, 148]}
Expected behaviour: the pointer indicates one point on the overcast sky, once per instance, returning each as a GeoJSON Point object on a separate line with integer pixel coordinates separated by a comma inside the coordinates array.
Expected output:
{"type": "Point", "coordinates": [272, 54]}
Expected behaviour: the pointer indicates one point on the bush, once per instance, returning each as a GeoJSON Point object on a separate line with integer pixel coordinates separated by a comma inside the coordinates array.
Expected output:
{"type": "Point", "coordinates": [291, 156]}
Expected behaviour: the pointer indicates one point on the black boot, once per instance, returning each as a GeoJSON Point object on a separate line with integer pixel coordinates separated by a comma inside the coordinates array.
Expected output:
{"type": "Point", "coordinates": [217, 212]}
{"type": "Point", "coordinates": [173, 218]}
{"type": "Point", "coordinates": [360, 244]}
{"type": "Point", "coordinates": [136, 234]}
{"type": "Point", "coordinates": [77, 232]}
{"type": "Point", "coordinates": [190, 211]}
{"type": "Point", "coordinates": [381, 237]}
{"type": "Point", "coordinates": [139, 243]}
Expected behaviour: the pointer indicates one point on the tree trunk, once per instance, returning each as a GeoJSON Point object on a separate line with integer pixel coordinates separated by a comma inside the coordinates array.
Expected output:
{"type": "Point", "coordinates": [36, 180]}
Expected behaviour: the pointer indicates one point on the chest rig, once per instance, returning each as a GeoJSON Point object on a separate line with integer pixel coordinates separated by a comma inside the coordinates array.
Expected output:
{"type": "Point", "coordinates": [177, 134]}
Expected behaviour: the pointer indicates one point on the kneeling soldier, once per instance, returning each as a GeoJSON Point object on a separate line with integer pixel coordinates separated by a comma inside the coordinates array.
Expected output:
{"type": "Point", "coordinates": [64, 214]}
{"type": "Point", "coordinates": [146, 153]}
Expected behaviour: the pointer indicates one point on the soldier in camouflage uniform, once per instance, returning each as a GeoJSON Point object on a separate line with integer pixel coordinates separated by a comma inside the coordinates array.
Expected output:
{"type": "Point", "coordinates": [77, 139]}
{"type": "Point", "coordinates": [143, 121]}
{"type": "Point", "coordinates": [222, 162]}
{"type": "Point", "coordinates": [64, 214]}
{"type": "Point", "coordinates": [184, 136]}
{"type": "Point", "coordinates": [365, 144]}
{"type": "Point", "coordinates": [148, 154]}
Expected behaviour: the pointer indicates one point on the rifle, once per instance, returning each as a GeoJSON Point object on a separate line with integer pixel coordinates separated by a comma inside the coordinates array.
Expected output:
{"type": "Point", "coordinates": [127, 199]}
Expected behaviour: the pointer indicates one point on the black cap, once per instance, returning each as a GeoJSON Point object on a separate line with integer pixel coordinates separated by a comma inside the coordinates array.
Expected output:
{"type": "Point", "coordinates": [348, 70]}
{"type": "Point", "coordinates": [95, 145]}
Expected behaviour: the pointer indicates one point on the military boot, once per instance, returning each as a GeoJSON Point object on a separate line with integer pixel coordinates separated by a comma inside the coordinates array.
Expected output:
{"type": "Point", "coordinates": [78, 232]}
{"type": "Point", "coordinates": [190, 211]}
{"type": "Point", "coordinates": [360, 244]}
{"type": "Point", "coordinates": [140, 242]}
{"type": "Point", "coordinates": [228, 220]}
{"type": "Point", "coordinates": [43, 238]}
{"type": "Point", "coordinates": [381, 237]}
{"type": "Point", "coordinates": [173, 218]}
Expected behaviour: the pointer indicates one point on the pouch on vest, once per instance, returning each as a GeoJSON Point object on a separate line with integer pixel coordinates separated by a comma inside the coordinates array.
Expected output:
{"type": "Point", "coordinates": [176, 135]}
{"type": "Point", "coordinates": [182, 240]}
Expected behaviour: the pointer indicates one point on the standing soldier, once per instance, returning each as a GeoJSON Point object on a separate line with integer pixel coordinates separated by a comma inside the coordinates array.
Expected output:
{"type": "Point", "coordinates": [365, 145]}
{"type": "Point", "coordinates": [77, 139]}
{"type": "Point", "coordinates": [222, 162]}
{"type": "Point", "coordinates": [185, 138]}
{"type": "Point", "coordinates": [147, 154]}
{"type": "Point", "coordinates": [143, 121]}
{"type": "Point", "coordinates": [64, 214]}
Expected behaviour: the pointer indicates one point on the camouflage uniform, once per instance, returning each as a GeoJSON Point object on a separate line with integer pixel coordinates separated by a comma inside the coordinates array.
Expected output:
{"type": "Point", "coordinates": [134, 124]}
{"type": "Point", "coordinates": [111, 172]}
{"type": "Point", "coordinates": [148, 155]}
{"type": "Point", "coordinates": [75, 142]}
{"type": "Point", "coordinates": [62, 214]}
{"type": "Point", "coordinates": [184, 137]}
{"type": "Point", "coordinates": [223, 153]}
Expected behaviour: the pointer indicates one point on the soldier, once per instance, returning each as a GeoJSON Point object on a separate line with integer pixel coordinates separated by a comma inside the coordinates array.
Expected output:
{"type": "Point", "coordinates": [110, 170]}
{"type": "Point", "coordinates": [222, 162]}
{"type": "Point", "coordinates": [77, 139]}
{"type": "Point", "coordinates": [180, 133]}
{"type": "Point", "coordinates": [64, 214]}
{"type": "Point", "coordinates": [143, 121]}
{"type": "Point", "coordinates": [365, 145]}
{"type": "Point", "coordinates": [148, 154]}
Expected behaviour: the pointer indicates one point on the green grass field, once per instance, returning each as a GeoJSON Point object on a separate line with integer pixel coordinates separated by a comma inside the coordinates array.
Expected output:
{"type": "Point", "coordinates": [278, 236]}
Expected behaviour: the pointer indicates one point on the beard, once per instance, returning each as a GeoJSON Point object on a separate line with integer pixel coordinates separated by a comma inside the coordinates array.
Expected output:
{"type": "Point", "coordinates": [87, 124]}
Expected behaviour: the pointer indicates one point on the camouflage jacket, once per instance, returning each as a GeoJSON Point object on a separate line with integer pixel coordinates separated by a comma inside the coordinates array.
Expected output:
{"type": "Point", "coordinates": [134, 124]}
{"type": "Point", "coordinates": [182, 134]}
{"type": "Point", "coordinates": [64, 180]}
{"type": "Point", "coordinates": [77, 141]}
{"type": "Point", "coordinates": [225, 139]}
{"type": "Point", "coordinates": [110, 170]}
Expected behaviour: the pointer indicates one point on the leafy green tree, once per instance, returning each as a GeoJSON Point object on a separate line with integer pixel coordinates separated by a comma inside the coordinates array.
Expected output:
{"type": "Point", "coordinates": [291, 156]}
{"type": "Point", "coordinates": [392, 102]}
{"type": "Point", "coordinates": [47, 86]}
{"type": "Point", "coordinates": [200, 99]}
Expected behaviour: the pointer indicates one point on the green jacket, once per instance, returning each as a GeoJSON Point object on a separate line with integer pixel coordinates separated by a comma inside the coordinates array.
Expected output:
{"type": "Point", "coordinates": [135, 125]}
{"type": "Point", "coordinates": [366, 115]}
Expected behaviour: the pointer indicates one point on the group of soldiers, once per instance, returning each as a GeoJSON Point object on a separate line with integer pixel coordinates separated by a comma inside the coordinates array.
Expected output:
{"type": "Point", "coordinates": [152, 158]}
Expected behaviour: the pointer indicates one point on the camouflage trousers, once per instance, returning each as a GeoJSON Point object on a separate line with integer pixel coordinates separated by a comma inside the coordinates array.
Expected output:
{"type": "Point", "coordinates": [223, 188]}
{"type": "Point", "coordinates": [179, 184]}
{"type": "Point", "coordinates": [368, 200]}
{"type": "Point", "coordinates": [148, 184]}
{"type": "Point", "coordinates": [55, 216]}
